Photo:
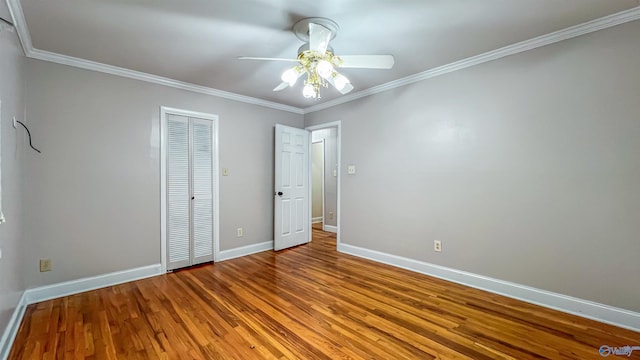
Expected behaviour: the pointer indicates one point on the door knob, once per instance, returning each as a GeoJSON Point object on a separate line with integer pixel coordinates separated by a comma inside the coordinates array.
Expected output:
{"type": "Point", "coordinates": [279, 193]}
{"type": "Point", "coordinates": [193, 197]}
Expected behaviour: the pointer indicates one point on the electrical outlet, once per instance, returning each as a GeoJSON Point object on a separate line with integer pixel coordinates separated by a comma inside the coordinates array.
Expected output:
{"type": "Point", "coordinates": [330, 215]}
{"type": "Point", "coordinates": [15, 124]}
{"type": "Point", "coordinates": [239, 232]}
{"type": "Point", "coordinates": [45, 265]}
{"type": "Point", "coordinates": [437, 245]}
{"type": "Point", "coordinates": [351, 169]}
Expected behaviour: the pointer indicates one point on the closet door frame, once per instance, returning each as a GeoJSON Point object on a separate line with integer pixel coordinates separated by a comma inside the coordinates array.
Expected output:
{"type": "Point", "coordinates": [164, 112]}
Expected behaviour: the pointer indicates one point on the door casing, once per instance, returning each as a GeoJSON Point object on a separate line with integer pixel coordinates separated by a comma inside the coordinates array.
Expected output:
{"type": "Point", "coordinates": [322, 170]}
{"type": "Point", "coordinates": [338, 126]}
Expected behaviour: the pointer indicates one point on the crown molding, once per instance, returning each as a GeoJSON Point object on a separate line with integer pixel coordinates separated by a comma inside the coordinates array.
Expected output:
{"type": "Point", "coordinates": [137, 75]}
{"type": "Point", "coordinates": [605, 22]}
{"type": "Point", "coordinates": [25, 39]}
{"type": "Point", "coordinates": [19, 22]}
{"type": "Point", "coordinates": [551, 38]}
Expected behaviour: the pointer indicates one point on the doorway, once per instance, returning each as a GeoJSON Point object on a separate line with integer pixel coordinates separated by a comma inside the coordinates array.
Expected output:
{"type": "Point", "coordinates": [317, 182]}
{"type": "Point", "coordinates": [328, 135]}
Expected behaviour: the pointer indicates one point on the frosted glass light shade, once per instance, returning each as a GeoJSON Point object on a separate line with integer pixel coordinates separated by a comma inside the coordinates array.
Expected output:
{"type": "Point", "coordinates": [340, 81]}
{"type": "Point", "coordinates": [308, 91]}
{"type": "Point", "coordinates": [324, 69]}
{"type": "Point", "coordinates": [290, 76]}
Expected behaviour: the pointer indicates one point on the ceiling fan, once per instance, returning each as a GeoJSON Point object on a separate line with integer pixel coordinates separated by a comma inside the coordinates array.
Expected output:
{"type": "Point", "coordinates": [317, 60]}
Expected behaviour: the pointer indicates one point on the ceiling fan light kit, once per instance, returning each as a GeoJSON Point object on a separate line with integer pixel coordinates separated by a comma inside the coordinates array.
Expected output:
{"type": "Point", "coordinates": [317, 60]}
{"type": "Point", "coordinates": [320, 71]}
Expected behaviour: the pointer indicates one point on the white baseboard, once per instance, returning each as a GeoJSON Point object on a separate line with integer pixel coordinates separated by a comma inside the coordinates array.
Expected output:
{"type": "Point", "coordinates": [12, 327]}
{"type": "Point", "coordinates": [316, 220]}
{"type": "Point", "coordinates": [42, 293]}
{"type": "Point", "coordinates": [48, 292]}
{"type": "Point", "coordinates": [245, 250]}
{"type": "Point", "coordinates": [330, 228]}
{"type": "Point", "coordinates": [584, 308]}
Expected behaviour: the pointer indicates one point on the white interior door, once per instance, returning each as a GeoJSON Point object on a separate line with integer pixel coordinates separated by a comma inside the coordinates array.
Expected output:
{"type": "Point", "coordinates": [202, 190]}
{"type": "Point", "coordinates": [292, 220]}
{"type": "Point", "coordinates": [178, 193]}
{"type": "Point", "coordinates": [190, 183]}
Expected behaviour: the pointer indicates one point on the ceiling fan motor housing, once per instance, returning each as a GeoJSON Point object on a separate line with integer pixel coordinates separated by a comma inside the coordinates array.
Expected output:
{"type": "Point", "coordinates": [301, 28]}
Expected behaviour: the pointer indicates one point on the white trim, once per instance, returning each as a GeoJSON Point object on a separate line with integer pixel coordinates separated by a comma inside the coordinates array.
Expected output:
{"type": "Point", "coordinates": [67, 288]}
{"type": "Point", "coordinates": [164, 111]}
{"type": "Point", "coordinates": [154, 79]}
{"type": "Point", "coordinates": [584, 308]}
{"type": "Point", "coordinates": [324, 174]}
{"type": "Point", "coordinates": [10, 332]}
{"type": "Point", "coordinates": [322, 142]}
{"type": "Point", "coordinates": [19, 22]}
{"type": "Point", "coordinates": [2, 219]}
{"type": "Point", "coordinates": [568, 304]}
{"type": "Point", "coordinates": [330, 228]}
{"type": "Point", "coordinates": [338, 126]}
{"type": "Point", "coordinates": [245, 250]}
{"type": "Point", "coordinates": [15, 9]}
{"type": "Point", "coordinates": [309, 187]}
{"type": "Point", "coordinates": [216, 193]}
{"type": "Point", "coordinates": [48, 292]}
{"type": "Point", "coordinates": [163, 191]}
{"type": "Point", "coordinates": [551, 38]}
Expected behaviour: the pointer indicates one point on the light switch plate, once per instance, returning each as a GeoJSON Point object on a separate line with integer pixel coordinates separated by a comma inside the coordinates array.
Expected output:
{"type": "Point", "coordinates": [225, 172]}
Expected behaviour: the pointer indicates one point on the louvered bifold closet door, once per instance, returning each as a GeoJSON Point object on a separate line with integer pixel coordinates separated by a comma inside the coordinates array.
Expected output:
{"type": "Point", "coordinates": [202, 182]}
{"type": "Point", "coordinates": [178, 193]}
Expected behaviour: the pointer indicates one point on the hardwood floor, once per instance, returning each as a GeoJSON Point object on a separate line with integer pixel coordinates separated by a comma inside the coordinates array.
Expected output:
{"type": "Point", "coordinates": [309, 302]}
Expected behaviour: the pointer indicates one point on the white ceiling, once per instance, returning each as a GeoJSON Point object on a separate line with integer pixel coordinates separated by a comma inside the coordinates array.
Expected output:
{"type": "Point", "coordinates": [197, 41]}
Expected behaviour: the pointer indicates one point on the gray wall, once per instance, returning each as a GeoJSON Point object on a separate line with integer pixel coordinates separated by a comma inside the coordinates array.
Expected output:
{"type": "Point", "coordinates": [526, 168]}
{"type": "Point", "coordinates": [12, 151]}
{"type": "Point", "coordinates": [330, 137]}
{"type": "Point", "coordinates": [93, 195]}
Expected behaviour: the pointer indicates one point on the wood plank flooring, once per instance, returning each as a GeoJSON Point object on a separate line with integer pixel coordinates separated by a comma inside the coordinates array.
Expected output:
{"type": "Point", "coordinates": [309, 302]}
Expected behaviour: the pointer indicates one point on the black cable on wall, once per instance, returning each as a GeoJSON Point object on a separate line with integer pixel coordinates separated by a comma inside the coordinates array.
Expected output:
{"type": "Point", "coordinates": [28, 133]}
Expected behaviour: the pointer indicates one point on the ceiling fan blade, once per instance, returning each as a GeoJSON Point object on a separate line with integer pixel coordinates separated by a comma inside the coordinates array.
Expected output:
{"type": "Point", "coordinates": [367, 61]}
{"type": "Point", "coordinates": [319, 37]}
{"type": "Point", "coordinates": [265, 58]}
{"type": "Point", "coordinates": [283, 85]}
